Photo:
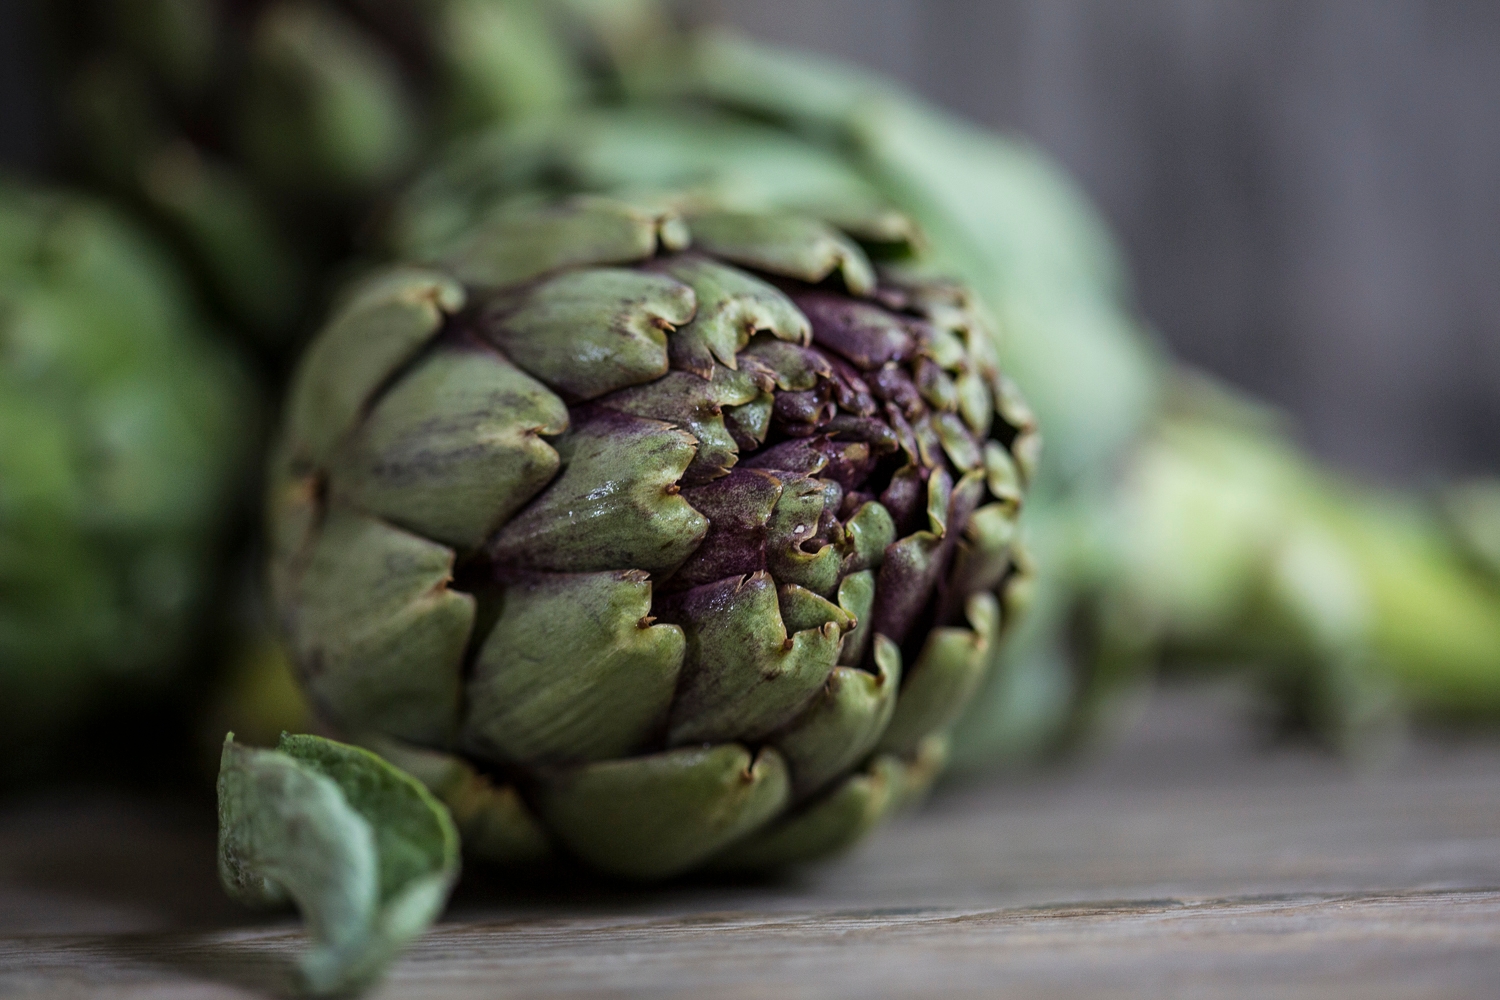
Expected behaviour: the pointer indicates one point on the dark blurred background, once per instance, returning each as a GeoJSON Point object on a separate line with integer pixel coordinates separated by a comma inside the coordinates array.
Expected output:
{"type": "Point", "coordinates": [1309, 193]}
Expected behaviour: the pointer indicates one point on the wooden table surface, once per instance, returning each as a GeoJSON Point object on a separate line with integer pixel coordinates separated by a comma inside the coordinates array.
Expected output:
{"type": "Point", "coordinates": [1189, 859]}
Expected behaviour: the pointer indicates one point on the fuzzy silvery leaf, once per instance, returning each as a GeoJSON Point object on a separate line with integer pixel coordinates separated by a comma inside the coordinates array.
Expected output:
{"type": "Point", "coordinates": [362, 849]}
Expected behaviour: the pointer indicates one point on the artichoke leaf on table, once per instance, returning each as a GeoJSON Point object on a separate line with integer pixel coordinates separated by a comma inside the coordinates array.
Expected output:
{"type": "Point", "coordinates": [364, 851]}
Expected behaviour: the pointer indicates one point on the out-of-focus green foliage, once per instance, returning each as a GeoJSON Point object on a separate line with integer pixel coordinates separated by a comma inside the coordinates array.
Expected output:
{"type": "Point", "coordinates": [125, 430]}
{"type": "Point", "coordinates": [1226, 545]}
{"type": "Point", "coordinates": [260, 133]}
{"type": "Point", "coordinates": [1473, 514]}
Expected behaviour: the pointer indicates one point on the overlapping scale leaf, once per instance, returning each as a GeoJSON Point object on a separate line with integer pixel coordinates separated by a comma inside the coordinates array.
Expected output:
{"type": "Point", "coordinates": [569, 672]}
{"type": "Point", "coordinates": [696, 406]}
{"type": "Point", "coordinates": [518, 244]}
{"type": "Point", "coordinates": [455, 448]}
{"type": "Point", "coordinates": [844, 722]}
{"type": "Point", "coordinates": [615, 504]}
{"type": "Point", "coordinates": [492, 818]}
{"type": "Point", "coordinates": [831, 824]}
{"type": "Point", "coordinates": [732, 307]}
{"type": "Point", "coordinates": [947, 671]}
{"type": "Point", "coordinates": [795, 246]}
{"type": "Point", "coordinates": [592, 331]}
{"type": "Point", "coordinates": [747, 671]}
{"type": "Point", "coordinates": [377, 632]}
{"type": "Point", "coordinates": [381, 325]}
{"type": "Point", "coordinates": [655, 816]}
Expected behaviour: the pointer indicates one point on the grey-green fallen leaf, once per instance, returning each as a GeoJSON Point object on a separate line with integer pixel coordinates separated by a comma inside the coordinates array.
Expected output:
{"type": "Point", "coordinates": [362, 849]}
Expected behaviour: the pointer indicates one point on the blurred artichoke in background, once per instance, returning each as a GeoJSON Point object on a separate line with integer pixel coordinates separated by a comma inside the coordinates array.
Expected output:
{"type": "Point", "coordinates": [259, 133]}
{"type": "Point", "coordinates": [1472, 512]}
{"type": "Point", "coordinates": [125, 433]}
{"type": "Point", "coordinates": [1227, 546]}
{"type": "Point", "coordinates": [675, 530]}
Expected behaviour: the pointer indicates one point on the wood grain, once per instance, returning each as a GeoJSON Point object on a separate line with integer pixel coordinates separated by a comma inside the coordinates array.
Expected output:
{"type": "Point", "coordinates": [1192, 859]}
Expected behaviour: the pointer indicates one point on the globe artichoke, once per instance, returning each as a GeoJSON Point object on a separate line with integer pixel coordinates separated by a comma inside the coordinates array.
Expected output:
{"type": "Point", "coordinates": [124, 434]}
{"type": "Point", "coordinates": [679, 533]}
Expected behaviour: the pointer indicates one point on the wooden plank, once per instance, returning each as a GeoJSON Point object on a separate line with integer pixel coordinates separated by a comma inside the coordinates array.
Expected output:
{"type": "Point", "coordinates": [1189, 860]}
{"type": "Point", "coordinates": [1354, 945]}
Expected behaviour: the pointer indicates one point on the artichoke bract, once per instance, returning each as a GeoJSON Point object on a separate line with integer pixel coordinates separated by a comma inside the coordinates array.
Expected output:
{"type": "Point", "coordinates": [664, 536]}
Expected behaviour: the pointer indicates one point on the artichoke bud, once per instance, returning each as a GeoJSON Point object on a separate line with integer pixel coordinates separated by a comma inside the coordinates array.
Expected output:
{"type": "Point", "coordinates": [679, 533]}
